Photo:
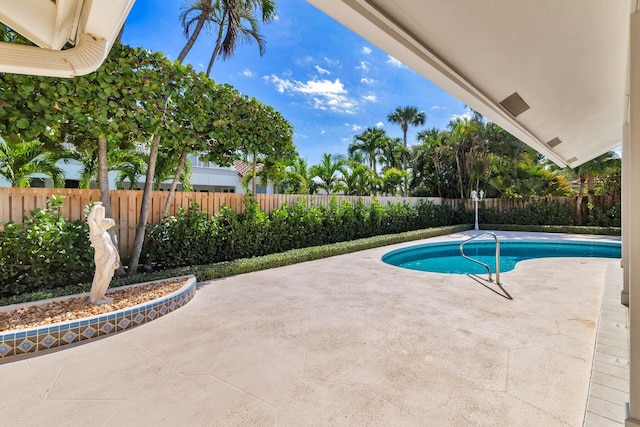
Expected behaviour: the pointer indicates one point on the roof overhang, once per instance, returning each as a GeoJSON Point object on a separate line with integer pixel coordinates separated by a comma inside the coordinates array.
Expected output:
{"type": "Point", "coordinates": [91, 26]}
{"type": "Point", "coordinates": [567, 61]}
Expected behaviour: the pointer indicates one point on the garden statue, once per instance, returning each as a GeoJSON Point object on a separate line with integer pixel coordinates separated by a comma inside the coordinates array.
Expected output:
{"type": "Point", "coordinates": [106, 256]}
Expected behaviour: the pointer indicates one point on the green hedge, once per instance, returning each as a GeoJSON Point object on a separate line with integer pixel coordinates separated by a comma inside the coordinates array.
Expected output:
{"type": "Point", "coordinates": [191, 239]}
{"type": "Point", "coordinates": [569, 229]}
{"type": "Point", "coordinates": [44, 252]}
{"type": "Point", "coordinates": [247, 265]}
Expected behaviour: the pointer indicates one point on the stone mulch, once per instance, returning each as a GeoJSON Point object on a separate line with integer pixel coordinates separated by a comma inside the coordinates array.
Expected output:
{"type": "Point", "coordinates": [79, 307]}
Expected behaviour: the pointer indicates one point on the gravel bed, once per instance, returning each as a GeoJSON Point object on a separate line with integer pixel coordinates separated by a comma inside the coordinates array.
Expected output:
{"type": "Point", "coordinates": [80, 307]}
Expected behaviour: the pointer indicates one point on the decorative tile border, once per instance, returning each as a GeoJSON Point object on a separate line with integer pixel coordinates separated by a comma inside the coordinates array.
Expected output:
{"type": "Point", "coordinates": [18, 342]}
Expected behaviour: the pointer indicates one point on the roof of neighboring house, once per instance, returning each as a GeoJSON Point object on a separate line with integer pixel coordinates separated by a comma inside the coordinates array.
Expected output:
{"type": "Point", "coordinates": [244, 168]}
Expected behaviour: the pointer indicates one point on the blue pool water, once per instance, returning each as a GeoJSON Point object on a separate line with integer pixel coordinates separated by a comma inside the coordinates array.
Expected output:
{"type": "Point", "coordinates": [446, 258]}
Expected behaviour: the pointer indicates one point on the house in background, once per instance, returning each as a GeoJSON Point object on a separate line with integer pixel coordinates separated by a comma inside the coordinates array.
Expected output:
{"type": "Point", "coordinates": [205, 177]}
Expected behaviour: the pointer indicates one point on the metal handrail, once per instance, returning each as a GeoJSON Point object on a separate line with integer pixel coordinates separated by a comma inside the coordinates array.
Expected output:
{"type": "Point", "coordinates": [482, 263]}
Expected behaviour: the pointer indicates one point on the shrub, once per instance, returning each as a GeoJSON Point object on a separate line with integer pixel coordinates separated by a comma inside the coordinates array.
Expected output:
{"type": "Point", "coordinates": [535, 213]}
{"type": "Point", "coordinates": [610, 218]}
{"type": "Point", "coordinates": [44, 252]}
{"type": "Point", "coordinates": [191, 239]}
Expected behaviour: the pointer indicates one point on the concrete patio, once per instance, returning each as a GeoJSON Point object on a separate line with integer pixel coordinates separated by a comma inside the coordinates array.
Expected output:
{"type": "Point", "coordinates": [346, 341]}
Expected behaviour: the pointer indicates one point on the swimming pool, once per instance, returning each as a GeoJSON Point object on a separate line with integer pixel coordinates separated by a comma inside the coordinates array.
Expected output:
{"type": "Point", "coordinates": [445, 257]}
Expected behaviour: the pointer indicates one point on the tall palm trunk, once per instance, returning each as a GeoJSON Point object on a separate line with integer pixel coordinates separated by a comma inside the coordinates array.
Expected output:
{"type": "Point", "coordinates": [459, 175]}
{"type": "Point", "coordinates": [579, 201]}
{"type": "Point", "coordinates": [105, 197]}
{"type": "Point", "coordinates": [174, 183]}
{"type": "Point", "coordinates": [216, 50]}
{"type": "Point", "coordinates": [196, 32]}
{"type": "Point", "coordinates": [144, 209]}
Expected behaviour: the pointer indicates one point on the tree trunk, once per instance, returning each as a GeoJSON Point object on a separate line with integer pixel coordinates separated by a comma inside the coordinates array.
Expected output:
{"type": "Point", "coordinates": [579, 202]}
{"type": "Point", "coordinates": [144, 208]}
{"type": "Point", "coordinates": [591, 187]}
{"type": "Point", "coordinates": [253, 181]}
{"type": "Point", "coordinates": [459, 176]}
{"type": "Point", "coordinates": [105, 198]}
{"type": "Point", "coordinates": [196, 32]}
{"type": "Point", "coordinates": [174, 184]}
{"type": "Point", "coordinates": [216, 50]}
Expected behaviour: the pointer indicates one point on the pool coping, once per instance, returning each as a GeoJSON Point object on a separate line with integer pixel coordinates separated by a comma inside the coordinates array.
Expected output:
{"type": "Point", "coordinates": [41, 338]}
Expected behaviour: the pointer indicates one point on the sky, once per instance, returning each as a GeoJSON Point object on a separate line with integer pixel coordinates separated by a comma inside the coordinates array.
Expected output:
{"type": "Point", "coordinates": [330, 83]}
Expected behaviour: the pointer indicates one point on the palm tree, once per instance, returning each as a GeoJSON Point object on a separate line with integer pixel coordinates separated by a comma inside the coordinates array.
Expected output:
{"type": "Point", "coordinates": [299, 179]}
{"type": "Point", "coordinates": [198, 13]}
{"type": "Point", "coordinates": [433, 146]}
{"type": "Point", "coordinates": [370, 143]}
{"type": "Point", "coordinates": [329, 172]}
{"type": "Point", "coordinates": [587, 172]}
{"type": "Point", "coordinates": [19, 160]}
{"type": "Point", "coordinates": [359, 180]}
{"type": "Point", "coordinates": [117, 160]}
{"type": "Point", "coordinates": [239, 20]}
{"type": "Point", "coordinates": [406, 116]}
{"type": "Point", "coordinates": [235, 20]}
{"type": "Point", "coordinates": [461, 131]}
{"type": "Point", "coordinates": [392, 153]}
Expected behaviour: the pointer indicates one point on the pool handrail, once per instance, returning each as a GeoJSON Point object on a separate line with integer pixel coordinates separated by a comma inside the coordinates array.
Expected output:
{"type": "Point", "coordinates": [482, 263]}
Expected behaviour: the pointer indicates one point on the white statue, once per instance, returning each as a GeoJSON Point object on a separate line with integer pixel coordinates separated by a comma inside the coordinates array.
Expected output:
{"type": "Point", "coordinates": [106, 256]}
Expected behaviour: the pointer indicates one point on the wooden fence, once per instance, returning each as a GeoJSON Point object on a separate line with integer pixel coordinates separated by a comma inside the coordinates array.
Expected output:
{"type": "Point", "coordinates": [16, 203]}
{"type": "Point", "coordinates": [501, 205]}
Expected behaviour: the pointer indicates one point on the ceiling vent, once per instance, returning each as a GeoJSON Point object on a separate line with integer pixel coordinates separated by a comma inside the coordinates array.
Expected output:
{"type": "Point", "coordinates": [554, 142]}
{"type": "Point", "coordinates": [514, 104]}
{"type": "Point", "coordinates": [571, 160]}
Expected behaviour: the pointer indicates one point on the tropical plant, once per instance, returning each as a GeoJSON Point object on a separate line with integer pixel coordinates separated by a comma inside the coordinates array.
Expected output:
{"type": "Point", "coordinates": [298, 179]}
{"type": "Point", "coordinates": [587, 173]}
{"type": "Point", "coordinates": [329, 173]}
{"type": "Point", "coordinates": [405, 117]}
{"type": "Point", "coordinates": [370, 143]}
{"type": "Point", "coordinates": [20, 160]}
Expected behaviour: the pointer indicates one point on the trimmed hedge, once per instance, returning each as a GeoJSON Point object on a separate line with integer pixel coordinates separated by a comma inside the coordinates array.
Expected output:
{"type": "Point", "coordinates": [569, 229]}
{"type": "Point", "coordinates": [191, 239]}
{"type": "Point", "coordinates": [247, 265]}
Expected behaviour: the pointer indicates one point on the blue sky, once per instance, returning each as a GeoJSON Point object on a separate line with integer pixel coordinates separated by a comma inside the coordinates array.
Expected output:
{"type": "Point", "coordinates": [330, 83]}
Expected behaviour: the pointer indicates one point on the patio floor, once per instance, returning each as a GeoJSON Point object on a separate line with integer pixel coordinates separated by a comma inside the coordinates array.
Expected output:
{"type": "Point", "coordinates": [343, 341]}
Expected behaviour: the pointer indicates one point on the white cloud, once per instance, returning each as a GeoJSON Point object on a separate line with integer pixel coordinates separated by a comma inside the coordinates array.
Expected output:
{"type": "Point", "coordinates": [367, 81]}
{"type": "Point", "coordinates": [379, 125]}
{"type": "Point", "coordinates": [466, 115]}
{"type": "Point", "coordinates": [200, 65]}
{"type": "Point", "coordinates": [364, 66]}
{"type": "Point", "coordinates": [323, 94]}
{"type": "Point", "coordinates": [322, 132]}
{"type": "Point", "coordinates": [333, 62]}
{"type": "Point", "coordinates": [394, 62]}
{"type": "Point", "coordinates": [370, 98]}
{"type": "Point", "coordinates": [356, 128]}
{"type": "Point", "coordinates": [435, 107]}
{"type": "Point", "coordinates": [247, 72]}
{"type": "Point", "coordinates": [322, 70]}
{"type": "Point", "coordinates": [276, 18]}
{"type": "Point", "coordinates": [366, 50]}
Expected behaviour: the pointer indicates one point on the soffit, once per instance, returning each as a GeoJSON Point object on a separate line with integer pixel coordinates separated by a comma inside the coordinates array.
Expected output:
{"type": "Point", "coordinates": [567, 60]}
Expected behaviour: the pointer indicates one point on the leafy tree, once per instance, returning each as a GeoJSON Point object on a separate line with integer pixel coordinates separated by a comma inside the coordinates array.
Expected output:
{"type": "Point", "coordinates": [261, 133]}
